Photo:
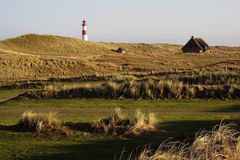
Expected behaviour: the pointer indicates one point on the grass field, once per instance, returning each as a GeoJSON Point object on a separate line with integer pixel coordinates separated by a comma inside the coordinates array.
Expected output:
{"type": "Point", "coordinates": [45, 73]}
{"type": "Point", "coordinates": [177, 119]}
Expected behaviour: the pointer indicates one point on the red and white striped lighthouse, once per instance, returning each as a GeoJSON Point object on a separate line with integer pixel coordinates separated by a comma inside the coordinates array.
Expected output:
{"type": "Point", "coordinates": [84, 30]}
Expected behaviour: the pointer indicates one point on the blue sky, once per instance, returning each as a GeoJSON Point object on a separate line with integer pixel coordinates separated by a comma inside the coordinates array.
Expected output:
{"type": "Point", "coordinates": [150, 21]}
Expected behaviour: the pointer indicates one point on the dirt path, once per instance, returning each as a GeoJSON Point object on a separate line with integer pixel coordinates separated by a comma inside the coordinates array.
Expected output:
{"type": "Point", "coordinates": [17, 53]}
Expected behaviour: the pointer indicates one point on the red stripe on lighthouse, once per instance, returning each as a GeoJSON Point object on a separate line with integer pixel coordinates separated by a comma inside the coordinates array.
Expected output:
{"type": "Point", "coordinates": [84, 32]}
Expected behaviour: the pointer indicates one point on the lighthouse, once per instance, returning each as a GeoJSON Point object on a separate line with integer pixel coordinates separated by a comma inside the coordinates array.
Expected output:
{"type": "Point", "coordinates": [84, 30]}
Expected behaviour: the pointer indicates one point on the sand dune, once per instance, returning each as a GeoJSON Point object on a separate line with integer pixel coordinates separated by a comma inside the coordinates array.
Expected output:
{"type": "Point", "coordinates": [45, 56]}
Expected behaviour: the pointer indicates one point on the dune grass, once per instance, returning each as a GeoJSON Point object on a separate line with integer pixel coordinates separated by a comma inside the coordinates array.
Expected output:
{"type": "Point", "coordinates": [143, 89]}
{"type": "Point", "coordinates": [47, 124]}
{"type": "Point", "coordinates": [118, 125]}
{"type": "Point", "coordinates": [221, 143]}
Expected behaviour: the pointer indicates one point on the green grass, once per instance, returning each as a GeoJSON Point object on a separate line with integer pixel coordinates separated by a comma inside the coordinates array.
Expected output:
{"type": "Point", "coordinates": [176, 119]}
{"type": "Point", "coordinates": [8, 94]}
{"type": "Point", "coordinates": [127, 104]}
{"type": "Point", "coordinates": [94, 109]}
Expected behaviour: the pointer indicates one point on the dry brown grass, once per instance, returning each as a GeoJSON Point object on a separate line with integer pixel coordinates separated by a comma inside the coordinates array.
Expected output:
{"type": "Point", "coordinates": [120, 126]}
{"type": "Point", "coordinates": [116, 125]}
{"type": "Point", "coordinates": [44, 56]}
{"type": "Point", "coordinates": [143, 123]}
{"type": "Point", "coordinates": [49, 44]}
{"type": "Point", "coordinates": [144, 89]}
{"type": "Point", "coordinates": [41, 124]}
{"type": "Point", "coordinates": [223, 143]}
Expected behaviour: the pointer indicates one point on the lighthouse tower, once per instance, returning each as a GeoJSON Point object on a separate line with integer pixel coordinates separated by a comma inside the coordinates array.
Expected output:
{"type": "Point", "coordinates": [84, 30]}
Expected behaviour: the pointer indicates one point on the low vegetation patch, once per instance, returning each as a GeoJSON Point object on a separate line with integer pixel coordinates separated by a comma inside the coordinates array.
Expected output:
{"type": "Point", "coordinates": [211, 78]}
{"type": "Point", "coordinates": [221, 143]}
{"type": "Point", "coordinates": [144, 89]}
{"type": "Point", "coordinates": [118, 125]}
{"type": "Point", "coordinates": [41, 124]}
